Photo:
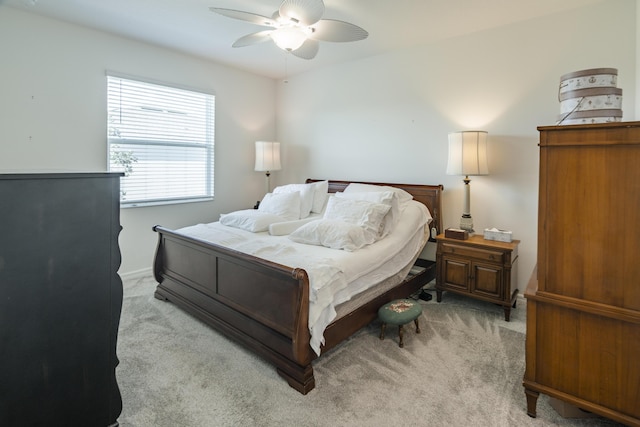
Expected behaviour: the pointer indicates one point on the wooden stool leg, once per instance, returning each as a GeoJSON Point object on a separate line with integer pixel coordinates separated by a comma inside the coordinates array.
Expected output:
{"type": "Point", "coordinates": [400, 333]}
{"type": "Point", "coordinates": [417, 326]}
{"type": "Point", "coordinates": [382, 331]}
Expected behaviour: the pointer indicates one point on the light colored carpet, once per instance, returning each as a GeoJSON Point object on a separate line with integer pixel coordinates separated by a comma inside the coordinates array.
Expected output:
{"type": "Point", "coordinates": [464, 369]}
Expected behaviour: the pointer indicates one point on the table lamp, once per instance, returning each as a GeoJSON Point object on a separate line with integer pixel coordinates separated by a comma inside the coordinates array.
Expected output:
{"type": "Point", "coordinates": [267, 158]}
{"type": "Point", "coordinates": [467, 156]}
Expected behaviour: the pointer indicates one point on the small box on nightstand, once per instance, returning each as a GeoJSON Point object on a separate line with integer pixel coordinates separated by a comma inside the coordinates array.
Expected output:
{"type": "Point", "coordinates": [497, 235]}
{"type": "Point", "coordinates": [456, 233]}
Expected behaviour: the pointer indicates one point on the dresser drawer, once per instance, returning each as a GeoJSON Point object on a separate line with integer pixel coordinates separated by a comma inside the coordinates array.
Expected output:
{"type": "Point", "coordinates": [466, 251]}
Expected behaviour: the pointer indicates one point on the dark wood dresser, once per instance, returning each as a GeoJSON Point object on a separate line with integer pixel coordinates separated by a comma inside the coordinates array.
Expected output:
{"type": "Point", "coordinates": [60, 299]}
{"type": "Point", "coordinates": [583, 303]}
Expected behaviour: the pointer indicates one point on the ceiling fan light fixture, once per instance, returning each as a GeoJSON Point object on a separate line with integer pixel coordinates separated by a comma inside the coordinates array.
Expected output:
{"type": "Point", "coordinates": [296, 27]}
{"type": "Point", "coordinates": [289, 38]}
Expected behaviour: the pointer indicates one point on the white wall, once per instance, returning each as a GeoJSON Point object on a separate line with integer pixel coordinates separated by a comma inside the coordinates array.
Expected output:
{"type": "Point", "coordinates": [53, 115]}
{"type": "Point", "coordinates": [637, 38]}
{"type": "Point", "coordinates": [386, 118]}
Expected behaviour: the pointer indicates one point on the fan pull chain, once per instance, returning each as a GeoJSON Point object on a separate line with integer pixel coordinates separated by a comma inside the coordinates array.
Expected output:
{"type": "Point", "coordinates": [286, 70]}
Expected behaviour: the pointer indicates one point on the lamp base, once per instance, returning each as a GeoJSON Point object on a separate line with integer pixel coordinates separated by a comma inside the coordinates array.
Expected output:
{"type": "Point", "coordinates": [268, 175]}
{"type": "Point", "coordinates": [466, 223]}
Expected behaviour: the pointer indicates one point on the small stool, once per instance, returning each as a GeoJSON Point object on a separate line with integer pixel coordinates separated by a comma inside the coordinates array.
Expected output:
{"type": "Point", "coordinates": [399, 312]}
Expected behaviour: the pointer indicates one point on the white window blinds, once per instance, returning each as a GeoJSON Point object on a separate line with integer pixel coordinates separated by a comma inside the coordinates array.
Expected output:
{"type": "Point", "coordinates": [162, 138]}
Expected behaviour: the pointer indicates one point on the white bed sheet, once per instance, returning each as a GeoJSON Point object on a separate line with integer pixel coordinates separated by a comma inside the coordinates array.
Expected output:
{"type": "Point", "coordinates": [333, 274]}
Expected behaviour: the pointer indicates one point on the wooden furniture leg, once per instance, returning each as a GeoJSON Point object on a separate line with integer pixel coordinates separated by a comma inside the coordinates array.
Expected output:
{"type": "Point", "coordinates": [417, 326]}
{"type": "Point", "coordinates": [532, 401]}
{"type": "Point", "coordinates": [382, 328]}
{"type": "Point", "coordinates": [400, 333]}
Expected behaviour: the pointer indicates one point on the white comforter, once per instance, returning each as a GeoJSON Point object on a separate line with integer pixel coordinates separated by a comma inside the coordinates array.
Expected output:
{"type": "Point", "coordinates": [330, 271]}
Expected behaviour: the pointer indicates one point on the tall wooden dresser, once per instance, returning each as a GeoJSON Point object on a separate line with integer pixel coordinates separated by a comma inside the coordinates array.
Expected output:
{"type": "Point", "coordinates": [60, 299]}
{"type": "Point", "coordinates": [583, 304]}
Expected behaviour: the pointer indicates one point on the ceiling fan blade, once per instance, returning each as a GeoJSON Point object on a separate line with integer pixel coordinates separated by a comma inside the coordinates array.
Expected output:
{"type": "Point", "coordinates": [307, 12]}
{"type": "Point", "coordinates": [308, 50]}
{"type": "Point", "coordinates": [255, 38]}
{"type": "Point", "coordinates": [244, 16]}
{"type": "Point", "coordinates": [331, 30]}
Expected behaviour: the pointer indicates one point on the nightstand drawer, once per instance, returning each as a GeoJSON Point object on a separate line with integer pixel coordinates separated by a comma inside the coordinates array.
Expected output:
{"type": "Point", "coordinates": [466, 251]}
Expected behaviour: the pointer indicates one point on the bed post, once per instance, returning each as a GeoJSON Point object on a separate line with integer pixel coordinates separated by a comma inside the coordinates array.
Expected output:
{"type": "Point", "coordinates": [300, 376]}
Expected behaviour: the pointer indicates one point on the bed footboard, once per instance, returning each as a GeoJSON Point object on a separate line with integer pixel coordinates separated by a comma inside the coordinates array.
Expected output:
{"type": "Point", "coordinates": [260, 304]}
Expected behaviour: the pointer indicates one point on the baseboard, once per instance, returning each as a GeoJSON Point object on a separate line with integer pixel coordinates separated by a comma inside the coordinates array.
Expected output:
{"type": "Point", "coordinates": [132, 275]}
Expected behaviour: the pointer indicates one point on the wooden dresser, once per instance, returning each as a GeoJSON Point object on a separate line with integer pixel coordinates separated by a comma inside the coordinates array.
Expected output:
{"type": "Point", "coordinates": [583, 303]}
{"type": "Point", "coordinates": [60, 299]}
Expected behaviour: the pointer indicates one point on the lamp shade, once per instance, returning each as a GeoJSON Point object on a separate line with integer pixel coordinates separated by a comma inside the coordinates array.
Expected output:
{"type": "Point", "coordinates": [288, 38]}
{"type": "Point", "coordinates": [468, 153]}
{"type": "Point", "coordinates": [267, 156]}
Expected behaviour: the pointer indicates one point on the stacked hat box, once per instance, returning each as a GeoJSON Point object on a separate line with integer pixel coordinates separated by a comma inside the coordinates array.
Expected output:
{"type": "Point", "coordinates": [590, 96]}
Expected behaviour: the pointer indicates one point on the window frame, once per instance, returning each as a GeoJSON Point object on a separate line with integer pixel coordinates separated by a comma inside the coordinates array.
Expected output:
{"type": "Point", "coordinates": [208, 163]}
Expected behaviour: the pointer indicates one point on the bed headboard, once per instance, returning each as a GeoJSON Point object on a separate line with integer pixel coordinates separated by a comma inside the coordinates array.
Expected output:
{"type": "Point", "coordinates": [429, 195]}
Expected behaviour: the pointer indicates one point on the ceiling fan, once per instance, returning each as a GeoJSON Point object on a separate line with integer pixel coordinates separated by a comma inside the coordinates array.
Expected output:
{"type": "Point", "coordinates": [296, 27]}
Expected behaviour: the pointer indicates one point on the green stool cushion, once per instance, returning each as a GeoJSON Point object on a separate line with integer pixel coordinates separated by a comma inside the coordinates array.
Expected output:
{"type": "Point", "coordinates": [399, 312]}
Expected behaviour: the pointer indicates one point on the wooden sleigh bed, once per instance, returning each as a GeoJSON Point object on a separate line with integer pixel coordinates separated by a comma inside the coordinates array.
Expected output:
{"type": "Point", "coordinates": [265, 305]}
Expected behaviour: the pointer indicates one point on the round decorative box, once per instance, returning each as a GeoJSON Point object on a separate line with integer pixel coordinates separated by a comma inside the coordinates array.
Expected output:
{"type": "Point", "coordinates": [590, 117]}
{"type": "Point", "coordinates": [590, 96]}
{"type": "Point", "coordinates": [599, 98]}
{"type": "Point", "coordinates": [584, 79]}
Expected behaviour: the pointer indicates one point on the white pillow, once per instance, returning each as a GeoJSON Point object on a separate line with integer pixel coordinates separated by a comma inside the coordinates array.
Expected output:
{"type": "Point", "coordinates": [403, 197]}
{"type": "Point", "coordinates": [320, 196]}
{"type": "Point", "coordinates": [333, 233]}
{"type": "Point", "coordinates": [306, 196]}
{"type": "Point", "coordinates": [359, 212]}
{"type": "Point", "coordinates": [390, 198]}
{"type": "Point", "coordinates": [250, 220]}
{"type": "Point", "coordinates": [286, 205]}
{"type": "Point", "coordinates": [287, 227]}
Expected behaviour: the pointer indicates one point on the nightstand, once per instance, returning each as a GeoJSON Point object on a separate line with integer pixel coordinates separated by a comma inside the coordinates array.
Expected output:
{"type": "Point", "coordinates": [479, 268]}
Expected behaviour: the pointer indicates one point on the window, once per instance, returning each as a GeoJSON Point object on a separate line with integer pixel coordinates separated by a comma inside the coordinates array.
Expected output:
{"type": "Point", "coordinates": [162, 138]}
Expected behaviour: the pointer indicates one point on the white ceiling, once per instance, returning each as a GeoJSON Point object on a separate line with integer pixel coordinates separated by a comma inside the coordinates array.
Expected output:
{"type": "Point", "coordinates": [189, 26]}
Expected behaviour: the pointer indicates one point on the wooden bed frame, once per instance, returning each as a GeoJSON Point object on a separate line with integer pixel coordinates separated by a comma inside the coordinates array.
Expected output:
{"type": "Point", "coordinates": [265, 305]}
